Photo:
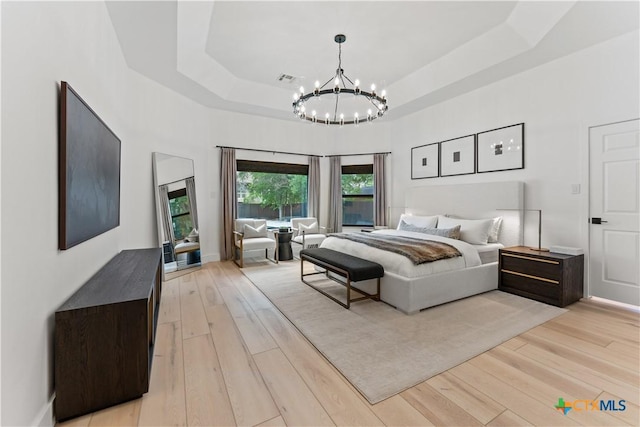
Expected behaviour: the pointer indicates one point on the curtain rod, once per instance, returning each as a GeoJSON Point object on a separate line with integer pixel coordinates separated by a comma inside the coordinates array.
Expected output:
{"type": "Point", "coordinates": [301, 154]}
{"type": "Point", "coordinates": [269, 151]}
{"type": "Point", "coordinates": [356, 154]}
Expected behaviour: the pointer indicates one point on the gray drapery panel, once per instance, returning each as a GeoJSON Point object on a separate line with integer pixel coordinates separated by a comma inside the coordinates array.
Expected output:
{"type": "Point", "coordinates": [229, 206]}
{"type": "Point", "coordinates": [313, 198]}
{"type": "Point", "coordinates": [167, 223]}
{"type": "Point", "coordinates": [379, 188]}
{"type": "Point", "coordinates": [335, 195]}
{"type": "Point", "coordinates": [193, 205]}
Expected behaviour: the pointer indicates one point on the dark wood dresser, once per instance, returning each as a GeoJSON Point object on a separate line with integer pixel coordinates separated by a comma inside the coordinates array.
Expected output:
{"type": "Point", "coordinates": [104, 335]}
{"type": "Point", "coordinates": [547, 277]}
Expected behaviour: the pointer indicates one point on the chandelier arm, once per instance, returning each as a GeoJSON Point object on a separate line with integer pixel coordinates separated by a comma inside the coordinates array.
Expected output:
{"type": "Point", "coordinates": [335, 111]}
{"type": "Point", "coordinates": [328, 81]}
{"type": "Point", "coordinates": [345, 76]}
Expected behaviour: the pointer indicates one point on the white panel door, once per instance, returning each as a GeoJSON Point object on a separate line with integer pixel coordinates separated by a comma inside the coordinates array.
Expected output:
{"type": "Point", "coordinates": [614, 206]}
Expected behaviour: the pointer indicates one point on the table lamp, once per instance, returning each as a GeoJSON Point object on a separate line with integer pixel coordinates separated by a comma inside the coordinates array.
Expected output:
{"type": "Point", "coordinates": [539, 248]}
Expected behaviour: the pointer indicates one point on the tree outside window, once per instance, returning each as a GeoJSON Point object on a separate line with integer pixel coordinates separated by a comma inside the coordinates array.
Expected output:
{"type": "Point", "coordinates": [276, 192]}
{"type": "Point", "coordinates": [180, 214]}
{"type": "Point", "coordinates": [357, 195]}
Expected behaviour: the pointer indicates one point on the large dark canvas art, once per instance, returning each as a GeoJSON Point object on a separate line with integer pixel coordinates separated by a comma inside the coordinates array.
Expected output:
{"type": "Point", "coordinates": [89, 172]}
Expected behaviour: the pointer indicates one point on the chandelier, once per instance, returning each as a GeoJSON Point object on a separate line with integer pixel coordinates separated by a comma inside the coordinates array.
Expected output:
{"type": "Point", "coordinates": [340, 89]}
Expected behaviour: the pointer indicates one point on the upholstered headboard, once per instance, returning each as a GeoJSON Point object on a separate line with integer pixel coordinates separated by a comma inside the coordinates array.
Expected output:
{"type": "Point", "coordinates": [474, 201]}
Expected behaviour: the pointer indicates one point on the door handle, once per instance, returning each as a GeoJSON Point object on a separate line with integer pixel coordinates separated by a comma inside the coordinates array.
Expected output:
{"type": "Point", "coordinates": [598, 221]}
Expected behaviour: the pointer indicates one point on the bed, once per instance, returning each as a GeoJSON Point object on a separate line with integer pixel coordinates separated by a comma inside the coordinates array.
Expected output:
{"type": "Point", "coordinates": [412, 289]}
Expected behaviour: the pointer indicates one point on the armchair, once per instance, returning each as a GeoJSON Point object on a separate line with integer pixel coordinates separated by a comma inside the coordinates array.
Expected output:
{"type": "Point", "coordinates": [307, 232]}
{"type": "Point", "coordinates": [251, 235]}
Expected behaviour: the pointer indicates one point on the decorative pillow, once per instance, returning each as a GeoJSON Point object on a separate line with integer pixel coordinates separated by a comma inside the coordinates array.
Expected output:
{"type": "Point", "coordinates": [252, 233]}
{"type": "Point", "coordinates": [418, 221]}
{"type": "Point", "coordinates": [474, 231]}
{"type": "Point", "coordinates": [494, 231]}
{"type": "Point", "coordinates": [308, 229]}
{"type": "Point", "coordinates": [452, 233]}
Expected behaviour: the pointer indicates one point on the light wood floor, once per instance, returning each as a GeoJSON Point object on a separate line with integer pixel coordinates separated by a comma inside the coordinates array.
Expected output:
{"type": "Point", "coordinates": [225, 355]}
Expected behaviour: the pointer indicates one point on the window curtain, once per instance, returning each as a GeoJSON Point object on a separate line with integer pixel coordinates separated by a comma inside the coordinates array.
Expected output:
{"type": "Point", "coordinates": [379, 188]}
{"type": "Point", "coordinates": [167, 223]}
{"type": "Point", "coordinates": [335, 194]}
{"type": "Point", "coordinates": [229, 201]}
{"type": "Point", "coordinates": [193, 206]}
{"type": "Point", "coordinates": [313, 197]}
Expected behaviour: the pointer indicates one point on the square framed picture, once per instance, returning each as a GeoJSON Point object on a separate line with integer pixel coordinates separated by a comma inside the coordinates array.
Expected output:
{"type": "Point", "coordinates": [501, 149]}
{"type": "Point", "coordinates": [425, 161]}
{"type": "Point", "coordinates": [458, 156]}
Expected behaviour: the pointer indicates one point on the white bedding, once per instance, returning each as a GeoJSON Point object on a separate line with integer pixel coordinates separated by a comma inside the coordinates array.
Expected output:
{"type": "Point", "coordinates": [401, 265]}
{"type": "Point", "coordinates": [489, 252]}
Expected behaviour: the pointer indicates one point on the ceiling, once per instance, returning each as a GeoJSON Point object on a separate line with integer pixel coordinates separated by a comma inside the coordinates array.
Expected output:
{"type": "Point", "coordinates": [230, 54]}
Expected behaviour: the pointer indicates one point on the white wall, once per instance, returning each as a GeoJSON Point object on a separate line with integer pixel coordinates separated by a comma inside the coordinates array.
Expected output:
{"type": "Point", "coordinates": [557, 102]}
{"type": "Point", "coordinates": [42, 44]}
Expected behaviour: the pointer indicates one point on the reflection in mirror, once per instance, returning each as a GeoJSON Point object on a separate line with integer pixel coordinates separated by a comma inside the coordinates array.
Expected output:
{"type": "Point", "coordinates": [177, 213]}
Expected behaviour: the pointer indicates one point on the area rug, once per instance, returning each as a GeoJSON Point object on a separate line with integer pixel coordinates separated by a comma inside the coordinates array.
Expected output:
{"type": "Point", "coordinates": [382, 351]}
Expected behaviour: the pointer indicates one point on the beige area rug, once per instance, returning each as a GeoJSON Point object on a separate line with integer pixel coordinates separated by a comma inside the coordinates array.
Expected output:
{"type": "Point", "coordinates": [382, 351]}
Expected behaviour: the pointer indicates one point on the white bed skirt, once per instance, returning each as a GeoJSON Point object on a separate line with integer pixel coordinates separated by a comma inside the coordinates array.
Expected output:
{"type": "Point", "coordinates": [413, 295]}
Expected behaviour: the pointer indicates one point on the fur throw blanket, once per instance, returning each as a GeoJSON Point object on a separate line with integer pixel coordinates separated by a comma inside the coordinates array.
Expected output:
{"type": "Point", "coordinates": [418, 251]}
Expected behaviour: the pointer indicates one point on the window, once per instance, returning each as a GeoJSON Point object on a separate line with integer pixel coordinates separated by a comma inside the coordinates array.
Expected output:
{"type": "Point", "coordinates": [180, 215]}
{"type": "Point", "coordinates": [276, 192]}
{"type": "Point", "coordinates": [357, 195]}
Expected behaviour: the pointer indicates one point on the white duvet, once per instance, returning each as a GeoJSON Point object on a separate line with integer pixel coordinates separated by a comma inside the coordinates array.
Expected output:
{"type": "Point", "coordinates": [401, 265]}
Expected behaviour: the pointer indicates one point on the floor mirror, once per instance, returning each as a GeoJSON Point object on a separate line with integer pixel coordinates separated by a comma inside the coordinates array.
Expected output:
{"type": "Point", "coordinates": [177, 214]}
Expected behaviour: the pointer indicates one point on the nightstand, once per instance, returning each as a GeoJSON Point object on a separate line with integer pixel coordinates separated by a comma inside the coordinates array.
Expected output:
{"type": "Point", "coordinates": [547, 277]}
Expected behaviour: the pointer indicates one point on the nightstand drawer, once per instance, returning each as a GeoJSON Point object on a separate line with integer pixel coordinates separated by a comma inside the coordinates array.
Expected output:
{"type": "Point", "coordinates": [540, 268]}
{"type": "Point", "coordinates": [530, 286]}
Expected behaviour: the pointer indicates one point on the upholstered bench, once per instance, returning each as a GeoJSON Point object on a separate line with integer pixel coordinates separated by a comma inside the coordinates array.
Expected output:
{"type": "Point", "coordinates": [352, 268]}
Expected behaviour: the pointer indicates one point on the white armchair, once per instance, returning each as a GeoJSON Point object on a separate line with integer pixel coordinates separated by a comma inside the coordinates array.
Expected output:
{"type": "Point", "coordinates": [252, 235]}
{"type": "Point", "coordinates": [307, 232]}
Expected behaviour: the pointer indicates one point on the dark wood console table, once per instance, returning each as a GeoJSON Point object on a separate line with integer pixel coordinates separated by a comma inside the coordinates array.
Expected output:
{"type": "Point", "coordinates": [105, 333]}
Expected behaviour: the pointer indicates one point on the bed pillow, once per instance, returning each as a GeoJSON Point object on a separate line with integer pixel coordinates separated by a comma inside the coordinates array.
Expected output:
{"type": "Point", "coordinates": [308, 229]}
{"type": "Point", "coordinates": [474, 231]}
{"type": "Point", "coordinates": [252, 233]}
{"type": "Point", "coordinates": [419, 221]}
{"type": "Point", "coordinates": [494, 231]}
{"type": "Point", "coordinates": [452, 233]}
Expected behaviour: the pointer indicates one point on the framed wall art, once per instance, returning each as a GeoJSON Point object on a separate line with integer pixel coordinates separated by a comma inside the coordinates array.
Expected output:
{"type": "Point", "coordinates": [425, 161]}
{"type": "Point", "coordinates": [458, 156]}
{"type": "Point", "coordinates": [500, 149]}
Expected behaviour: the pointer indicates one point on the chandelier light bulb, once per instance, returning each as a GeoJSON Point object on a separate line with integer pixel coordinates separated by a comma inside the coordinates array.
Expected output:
{"type": "Point", "coordinates": [295, 97]}
{"type": "Point", "coordinates": [302, 90]}
{"type": "Point", "coordinates": [373, 88]}
{"type": "Point", "coordinates": [357, 83]}
{"type": "Point", "coordinates": [313, 113]}
{"type": "Point", "coordinates": [317, 84]}
{"type": "Point", "coordinates": [383, 94]}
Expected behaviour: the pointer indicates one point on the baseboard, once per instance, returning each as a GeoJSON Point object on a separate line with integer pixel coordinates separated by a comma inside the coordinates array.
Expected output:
{"type": "Point", "coordinates": [45, 417]}
{"type": "Point", "coordinates": [210, 257]}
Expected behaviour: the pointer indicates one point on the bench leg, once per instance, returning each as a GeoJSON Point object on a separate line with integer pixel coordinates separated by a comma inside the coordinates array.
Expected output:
{"type": "Point", "coordinates": [347, 283]}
